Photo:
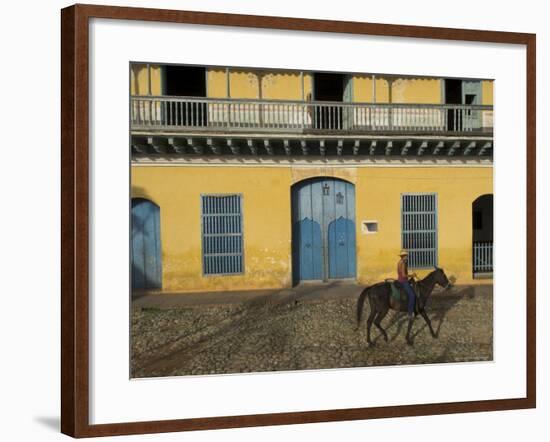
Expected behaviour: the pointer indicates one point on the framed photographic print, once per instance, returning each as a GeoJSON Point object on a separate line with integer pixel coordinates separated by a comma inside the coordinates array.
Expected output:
{"type": "Point", "coordinates": [260, 214]}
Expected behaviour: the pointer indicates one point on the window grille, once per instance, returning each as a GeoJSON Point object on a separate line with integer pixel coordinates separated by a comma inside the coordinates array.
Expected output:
{"type": "Point", "coordinates": [483, 257]}
{"type": "Point", "coordinates": [419, 229]}
{"type": "Point", "coordinates": [222, 235]}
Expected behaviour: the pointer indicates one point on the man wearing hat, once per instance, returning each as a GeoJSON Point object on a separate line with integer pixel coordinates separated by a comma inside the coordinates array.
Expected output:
{"type": "Point", "coordinates": [403, 278]}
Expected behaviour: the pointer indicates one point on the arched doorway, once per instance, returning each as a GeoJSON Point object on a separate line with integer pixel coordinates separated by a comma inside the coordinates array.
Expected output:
{"type": "Point", "coordinates": [146, 251]}
{"type": "Point", "coordinates": [323, 230]}
{"type": "Point", "coordinates": [482, 235]}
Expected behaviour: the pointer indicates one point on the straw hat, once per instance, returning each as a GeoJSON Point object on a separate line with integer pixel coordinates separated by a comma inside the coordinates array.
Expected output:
{"type": "Point", "coordinates": [403, 252]}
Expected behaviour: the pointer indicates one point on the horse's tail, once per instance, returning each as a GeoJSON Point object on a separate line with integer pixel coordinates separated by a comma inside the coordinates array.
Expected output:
{"type": "Point", "coordinates": [361, 303]}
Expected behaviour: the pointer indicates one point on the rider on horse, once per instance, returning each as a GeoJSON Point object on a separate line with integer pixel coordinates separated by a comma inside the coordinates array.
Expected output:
{"type": "Point", "coordinates": [403, 278]}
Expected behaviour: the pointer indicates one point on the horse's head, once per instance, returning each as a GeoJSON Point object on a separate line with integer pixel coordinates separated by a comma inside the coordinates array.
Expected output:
{"type": "Point", "coordinates": [441, 278]}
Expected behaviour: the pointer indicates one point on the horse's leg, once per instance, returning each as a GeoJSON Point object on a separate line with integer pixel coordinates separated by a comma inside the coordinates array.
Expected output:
{"type": "Point", "coordinates": [377, 321]}
{"type": "Point", "coordinates": [409, 328]}
{"type": "Point", "coordinates": [369, 324]}
{"type": "Point", "coordinates": [425, 316]}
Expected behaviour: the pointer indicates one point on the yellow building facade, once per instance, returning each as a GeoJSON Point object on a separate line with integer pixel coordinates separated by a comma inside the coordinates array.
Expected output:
{"type": "Point", "coordinates": [437, 154]}
{"type": "Point", "coordinates": [297, 85]}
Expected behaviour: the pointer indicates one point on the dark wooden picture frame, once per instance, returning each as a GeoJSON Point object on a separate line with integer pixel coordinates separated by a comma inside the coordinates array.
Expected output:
{"type": "Point", "coordinates": [75, 219]}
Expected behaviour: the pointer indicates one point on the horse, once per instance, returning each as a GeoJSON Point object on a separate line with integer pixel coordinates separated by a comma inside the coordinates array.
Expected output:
{"type": "Point", "coordinates": [381, 301]}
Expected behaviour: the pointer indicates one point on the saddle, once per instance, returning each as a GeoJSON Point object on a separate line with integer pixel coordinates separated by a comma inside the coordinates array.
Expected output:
{"type": "Point", "coordinates": [398, 292]}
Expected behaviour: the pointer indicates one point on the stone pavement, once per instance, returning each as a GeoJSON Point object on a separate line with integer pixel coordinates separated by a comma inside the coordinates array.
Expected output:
{"type": "Point", "coordinates": [309, 327]}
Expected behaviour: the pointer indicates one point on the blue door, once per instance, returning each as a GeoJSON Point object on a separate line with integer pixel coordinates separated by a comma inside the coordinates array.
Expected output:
{"type": "Point", "coordinates": [323, 242]}
{"type": "Point", "coordinates": [146, 255]}
{"type": "Point", "coordinates": [341, 248]}
{"type": "Point", "coordinates": [309, 245]}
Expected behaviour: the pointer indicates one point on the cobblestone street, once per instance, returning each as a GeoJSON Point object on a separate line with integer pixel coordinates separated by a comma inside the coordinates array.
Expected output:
{"type": "Point", "coordinates": [304, 328]}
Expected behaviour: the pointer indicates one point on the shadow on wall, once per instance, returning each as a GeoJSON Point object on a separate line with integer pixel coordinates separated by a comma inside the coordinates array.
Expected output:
{"type": "Point", "coordinates": [140, 192]}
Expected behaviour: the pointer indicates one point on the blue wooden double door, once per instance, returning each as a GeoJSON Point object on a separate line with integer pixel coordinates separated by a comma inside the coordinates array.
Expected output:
{"type": "Point", "coordinates": [146, 250]}
{"type": "Point", "coordinates": [323, 230]}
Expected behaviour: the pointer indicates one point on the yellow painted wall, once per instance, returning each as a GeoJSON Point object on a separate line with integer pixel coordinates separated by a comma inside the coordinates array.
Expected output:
{"type": "Point", "coordinates": [156, 80]}
{"type": "Point", "coordinates": [139, 79]}
{"type": "Point", "coordinates": [266, 223]}
{"type": "Point", "coordinates": [416, 90]}
{"type": "Point", "coordinates": [287, 86]}
{"type": "Point", "coordinates": [245, 84]}
{"type": "Point", "coordinates": [487, 92]}
{"type": "Point", "coordinates": [403, 90]}
{"type": "Point", "coordinates": [380, 190]}
{"type": "Point", "coordinates": [284, 85]}
{"type": "Point", "coordinates": [216, 83]}
{"type": "Point", "coordinates": [266, 218]}
{"type": "Point", "coordinates": [363, 90]}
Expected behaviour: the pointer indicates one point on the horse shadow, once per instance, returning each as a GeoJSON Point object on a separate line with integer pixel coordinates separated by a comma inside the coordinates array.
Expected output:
{"type": "Point", "coordinates": [437, 308]}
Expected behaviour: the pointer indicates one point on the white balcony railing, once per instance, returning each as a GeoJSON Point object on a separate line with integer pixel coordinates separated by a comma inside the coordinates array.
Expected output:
{"type": "Point", "coordinates": [483, 257]}
{"type": "Point", "coordinates": [174, 113]}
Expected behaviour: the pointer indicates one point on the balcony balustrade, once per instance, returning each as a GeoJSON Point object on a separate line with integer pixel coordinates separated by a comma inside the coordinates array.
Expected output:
{"type": "Point", "coordinates": [176, 114]}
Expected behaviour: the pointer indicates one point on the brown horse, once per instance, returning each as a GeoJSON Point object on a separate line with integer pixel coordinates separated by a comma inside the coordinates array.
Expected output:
{"type": "Point", "coordinates": [381, 301]}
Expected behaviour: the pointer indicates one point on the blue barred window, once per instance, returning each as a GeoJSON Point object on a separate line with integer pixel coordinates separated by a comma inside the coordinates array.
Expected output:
{"type": "Point", "coordinates": [419, 228]}
{"type": "Point", "coordinates": [222, 234]}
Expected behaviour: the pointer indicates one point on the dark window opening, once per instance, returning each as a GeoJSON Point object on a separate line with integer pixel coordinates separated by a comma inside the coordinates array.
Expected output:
{"type": "Point", "coordinates": [470, 98]}
{"type": "Point", "coordinates": [185, 81]}
{"type": "Point", "coordinates": [453, 91]}
{"type": "Point", "coordinates": [453, 95]}
{"type": "Point", "coordinates": [482, 235]}
{"type": "Point", "coordinates": [482, 219]}
{"type": "Point", "coordinates": [477, 220]}
{"type": "Point", "coordinates": [328, 87]}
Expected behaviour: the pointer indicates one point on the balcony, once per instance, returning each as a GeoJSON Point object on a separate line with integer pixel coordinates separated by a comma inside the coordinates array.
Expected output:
{"type": "Point", "coordinates": [272, 128]}
{"type": "Point", "coordinates": [231, 115]}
